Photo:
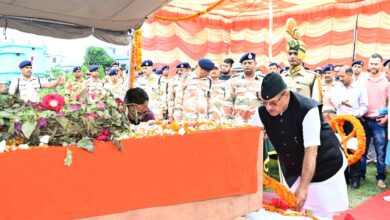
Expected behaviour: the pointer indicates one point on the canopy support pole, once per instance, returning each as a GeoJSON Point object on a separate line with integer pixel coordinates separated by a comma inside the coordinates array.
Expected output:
{"type": "Point", "coordinates": [270, 27]}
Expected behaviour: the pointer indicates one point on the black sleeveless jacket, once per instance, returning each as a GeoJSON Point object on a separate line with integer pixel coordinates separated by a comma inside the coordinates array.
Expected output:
{"type": "Point", "coordinates": [286, 134]}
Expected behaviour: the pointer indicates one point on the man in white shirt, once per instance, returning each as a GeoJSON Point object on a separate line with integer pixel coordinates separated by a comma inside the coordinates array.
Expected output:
{"type": "Point", "coordinates": [309, 152]}
{"type": "Point", "coordinates": [27, 87]}
{"type": "Point", "coordinates": [350, 97]}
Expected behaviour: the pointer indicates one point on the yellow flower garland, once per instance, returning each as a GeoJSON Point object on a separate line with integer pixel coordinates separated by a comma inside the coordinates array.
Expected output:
{"type": "Point", "coordinates": [136, 55]}
{"type": "Point", "coordinates": [337, 124]}
{"type": "Point", "coordinates": [188, 17]}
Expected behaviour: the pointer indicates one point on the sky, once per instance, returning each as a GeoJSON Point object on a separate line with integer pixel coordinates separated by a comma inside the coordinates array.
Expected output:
{"type": "Point", "coordinates": [73, 50]}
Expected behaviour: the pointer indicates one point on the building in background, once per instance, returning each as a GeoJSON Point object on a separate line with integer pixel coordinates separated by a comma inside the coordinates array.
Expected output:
{"type": "Point", "coordinates": [13, 52]}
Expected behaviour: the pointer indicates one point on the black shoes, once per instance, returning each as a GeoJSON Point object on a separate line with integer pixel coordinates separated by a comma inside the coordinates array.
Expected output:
{"type": "Point", "coordinates": [355, 184]}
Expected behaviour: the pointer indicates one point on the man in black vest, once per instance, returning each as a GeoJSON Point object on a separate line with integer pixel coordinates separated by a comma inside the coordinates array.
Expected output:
{"type": "Point", "coordinates": [309, 153]}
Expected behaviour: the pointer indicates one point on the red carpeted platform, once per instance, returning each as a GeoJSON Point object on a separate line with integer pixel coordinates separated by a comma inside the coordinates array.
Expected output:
{"type": "Point", "coordinates": [375, 208]}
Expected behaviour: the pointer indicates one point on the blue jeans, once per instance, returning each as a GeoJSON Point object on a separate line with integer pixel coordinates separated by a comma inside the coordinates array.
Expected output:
{"type": "Point", "coordinates": [374, 130]}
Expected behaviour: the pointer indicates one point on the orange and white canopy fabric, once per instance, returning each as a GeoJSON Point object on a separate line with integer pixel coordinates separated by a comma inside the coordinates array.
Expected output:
{"type": "Point", "coordinates": [238, 26]}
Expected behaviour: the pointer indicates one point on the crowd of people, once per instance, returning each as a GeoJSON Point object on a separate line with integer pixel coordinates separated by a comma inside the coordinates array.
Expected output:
{"type": "Point", "coordinates": [293, 105]}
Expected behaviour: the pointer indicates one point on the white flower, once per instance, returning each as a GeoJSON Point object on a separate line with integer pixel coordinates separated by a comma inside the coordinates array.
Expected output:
{"type": "Point", "coordinates": [23, 146]}
{"type": "Point", "coordinates": [3, 144]}
{"type": "Point", "coordinates": [44, 139]}
{"type": "Point", "coordinates": [182, 131]}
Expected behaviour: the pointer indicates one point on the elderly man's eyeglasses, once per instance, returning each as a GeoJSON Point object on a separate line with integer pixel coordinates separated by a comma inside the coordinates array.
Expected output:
{"type": "Point", "coordinates": [273, 103]}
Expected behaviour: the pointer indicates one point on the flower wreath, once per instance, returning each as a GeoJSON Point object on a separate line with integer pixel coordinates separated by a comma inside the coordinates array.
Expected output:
{"type": "Point", "coordinates": [287, 201]}
{"type": "Point", "coordinates": [337, 124]}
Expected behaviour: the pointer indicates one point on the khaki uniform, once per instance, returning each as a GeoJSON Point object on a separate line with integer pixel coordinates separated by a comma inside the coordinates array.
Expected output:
{"type": "Point", "coordinates": [241, 101]}
{"type": "Point", "coordinates": [95, 88]}
{"type": "Point", "coordinates": [118, 90]}
{"type": "Point", "coordinates": [73, 88]}
{"type": "Point", "coordinates": [193, 99]}
{"type": "Point", "coordinates": [218, 92]}
{"type": "Point", "coordinates": [305, 83]}
{"type": "Point", "coordinates": [173, 87]}
{"type": "Point", "coordinates": [150, 85]}
{"type": "Point", "coordinates": [163, 83]}
{"type": "Point", "coordinates": [328, 110]}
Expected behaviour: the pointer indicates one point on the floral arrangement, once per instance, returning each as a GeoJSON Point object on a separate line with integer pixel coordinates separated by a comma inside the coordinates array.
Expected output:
{"type": "Point", "coordinates": [136, 55]}
{"type": "Point", "coordinates": [337, 124]}
{"type": "Point", "coordinates": [287, 200]}
{"type": "Point", "coordinates": [161, 128]}
{"type": "Point", "coordinates": [54, 122]}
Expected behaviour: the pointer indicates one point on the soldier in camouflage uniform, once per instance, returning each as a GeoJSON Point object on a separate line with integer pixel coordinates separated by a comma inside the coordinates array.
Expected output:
{"type": "Point", "coordinates": [149, 82]}
{"type": "Point", "coordinates": [218, 90]}
{"type": "Point", "coordinates": [241, 100]}
{"type": "Point", "coordinates": [74, 86]}
{"type": "Point", "coordinates": [94, 85]}
{"type": "Point", "coordinates": [182, 72]}
{"type": "Point", "coordinates": [193, 100]}
{"type": "Point", "coordinates": [115, 85]}
{"type": "Point", "coordinates": [163, 82]}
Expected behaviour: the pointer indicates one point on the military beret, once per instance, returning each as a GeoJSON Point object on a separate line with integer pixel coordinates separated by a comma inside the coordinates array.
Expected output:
{"type": "Point", "coordinates": [183, 65]}
{"type": "Point", "coordinates": [115, 63]}
{"type": "Point", "coordinates": [206, 64]}
{"type": "Point", "coordinates": [165, 68]}
{"type": "Point", "coordinates": [76, 68]}
{"type": "Point", "coordinates": [93, 68]}
{"type": "Point", "coordinates": [357, 62]}
{"type": "Point", "coordinates": [158, 72]}
{"type": "Point", "coordinates": [25, 63]}
{"type": "Point", "coordinates": [328, 67]}
{"type": "Point", "coordinates": [272, 85]}
{"type": "Point", "coordinates": [147, 63]}
{"type": "Point", "coordinates": [248, 56]}
{"type": "Point", "coordinates": [318, 70]}
{"type": "Point", "coordinates": [386, 62]}
{"type": "Point", "coordinates": [113, 71]}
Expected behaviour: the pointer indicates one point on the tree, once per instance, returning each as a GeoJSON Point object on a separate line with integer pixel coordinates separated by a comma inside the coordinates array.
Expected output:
{"type": "Point", "coordinates": [97, 56]}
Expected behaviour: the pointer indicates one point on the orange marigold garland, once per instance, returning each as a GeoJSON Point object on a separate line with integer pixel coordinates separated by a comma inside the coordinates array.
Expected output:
{"type": "Point", "coordinates": [287, 198]}
{"type": "Point", "coordinates": [188, 17]}
{"type": "Point", "coordinates": [337, 124]}
{"type": "Point", "coordinates": [136, 55]}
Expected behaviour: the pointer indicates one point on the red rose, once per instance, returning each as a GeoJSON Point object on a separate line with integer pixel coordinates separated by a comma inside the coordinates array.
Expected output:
{"type": "Point", "coordinates": [104, 135]}
{"type": "Point", "coordinates": [53, 102]}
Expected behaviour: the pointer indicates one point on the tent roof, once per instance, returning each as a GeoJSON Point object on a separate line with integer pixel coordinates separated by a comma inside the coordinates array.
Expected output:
{"type": "Point", "coordinates": [234, 8]}
{"type": "Point", "coordinates": [109, 21]}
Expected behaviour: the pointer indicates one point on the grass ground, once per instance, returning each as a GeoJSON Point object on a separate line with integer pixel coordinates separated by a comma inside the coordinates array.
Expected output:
{"type": "Point", "coordinates": [368, 187]}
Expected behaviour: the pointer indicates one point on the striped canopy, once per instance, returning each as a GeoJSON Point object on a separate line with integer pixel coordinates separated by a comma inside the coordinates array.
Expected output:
{"type": "Point", "coordinates": [238, 26]}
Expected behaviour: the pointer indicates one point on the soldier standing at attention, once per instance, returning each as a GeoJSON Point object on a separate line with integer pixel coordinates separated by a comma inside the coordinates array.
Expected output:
{"type": "Point", "coordinates": [194, 95]}
{"type": "Point", "coordinates": [241, 100]}
{"type": "Point", "coordinates": [74, 86]}
{"type": "Point", "coordinates": [298, 79]}
{"type": "Point", "coordinates": [182, 71]}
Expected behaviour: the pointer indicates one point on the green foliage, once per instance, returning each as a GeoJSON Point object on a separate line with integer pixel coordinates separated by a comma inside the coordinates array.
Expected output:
{"type": "Point", "coordinates": [78, 122]}
{"type": "Point", "coordinates": [97, 56]}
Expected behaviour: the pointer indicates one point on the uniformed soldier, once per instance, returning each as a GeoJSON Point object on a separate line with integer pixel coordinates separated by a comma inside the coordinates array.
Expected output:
{"type": "Point", "coordinates": [115, 85]}
{"type": "Point", "coordinates": [298, 79]}
{"type": "Point", "coordinates": [163, 83]}
{"type": "Point", "coordinates": [149, 82]}
{"type": "Point", "coordinates": [75, 85]}
{"type": "Point", "coordinates": [94, 85]}
{"type": "Point", "coordinates": [274, 68]}
{"type": "Point", "coordinates": [328, 87]}
{"type": "Point", "coordinates": [115, 65]}
{"type": "Point", "coordinates": [182, 72]}
{"type": "Point", "coordinates": [218, 90]}
{"type": "Point", "coordinates": [193, 99]}
{"type": "Point", "coordinates": [28, 87]}
{"type": "Point", "coordinates": [241, 100]}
